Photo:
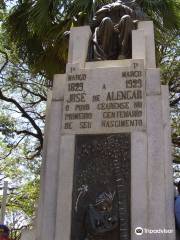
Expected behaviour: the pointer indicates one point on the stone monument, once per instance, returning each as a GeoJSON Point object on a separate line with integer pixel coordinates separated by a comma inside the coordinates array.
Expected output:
{"type": "Point", "coordinates": [107, 168]}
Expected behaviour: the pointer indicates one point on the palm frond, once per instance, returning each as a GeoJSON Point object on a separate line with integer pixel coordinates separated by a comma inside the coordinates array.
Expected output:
{"type": "Point", "coordinates": [37, 27]}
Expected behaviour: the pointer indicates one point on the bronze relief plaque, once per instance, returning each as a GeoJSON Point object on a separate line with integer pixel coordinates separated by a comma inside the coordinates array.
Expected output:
{"type": "Point", "coordinates": [101, 187]}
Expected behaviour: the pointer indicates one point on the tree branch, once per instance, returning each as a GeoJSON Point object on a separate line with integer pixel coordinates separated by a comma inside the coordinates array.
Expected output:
{"type": "Point", "coordinates": [35, 94]}
{"type": "Point", "coordinates": [15, 146]}
{"type": "Point", "coordinates": [26, 132]}
{"type": "Point", "coordinates": [39, 134]}
{"type": "Point", "coordinates": [6, 60]}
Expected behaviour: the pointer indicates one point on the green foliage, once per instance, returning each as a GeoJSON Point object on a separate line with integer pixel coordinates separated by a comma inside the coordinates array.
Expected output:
{"type": "Point", "coordinates": [39, 38]}
{"type": "Point", "coordinates": [168, 57]}
{"type": "Point", "coordinates": [164, 13]}
{"type": "Point", "coordinates": [23, 178]}
{"type": "Point", "coordinates": [38, 28]}
{"type": "Point", "coordinates": [25, 198]}
{"type": "Point", "coordinates": [6, 125]}
{"type": "Point", "coordinates": [22, 116]}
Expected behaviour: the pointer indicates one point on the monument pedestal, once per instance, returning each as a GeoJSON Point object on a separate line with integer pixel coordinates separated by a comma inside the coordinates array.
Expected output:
{"type": "Point", "coordinates": [92, 110]}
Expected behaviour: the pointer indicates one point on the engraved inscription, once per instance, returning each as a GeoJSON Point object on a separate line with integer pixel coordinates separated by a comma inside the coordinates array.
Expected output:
{"type": "Point", "coordinates": [116, 103]}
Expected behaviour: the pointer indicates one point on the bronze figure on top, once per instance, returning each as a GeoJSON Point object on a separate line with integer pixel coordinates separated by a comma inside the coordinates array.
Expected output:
{"type": "Point", "coordinates": [112, 28]}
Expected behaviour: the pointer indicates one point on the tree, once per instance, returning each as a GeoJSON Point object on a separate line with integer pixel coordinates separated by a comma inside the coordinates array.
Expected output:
{"type": "Point", "coordinates": [169, 51]}
{"type": "Point", "coordinates": [22, 116]}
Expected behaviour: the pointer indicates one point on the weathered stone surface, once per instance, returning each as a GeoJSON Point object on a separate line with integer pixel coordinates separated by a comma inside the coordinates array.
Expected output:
{"type": "Point", "coordinates": [139, 183]}
{"type": "Point", "coordinates": [58, 87]}
{"type": "Point", "coordinates": [108, 64]}
{"type": "Point", "coordinates": [153, 85]}
{"type": "Point", "coordinates": [167, 151]}
{"type": "Point", "coordinates": [148, 28]}
{"type": "Point", "coordinates": [138, 45]}
{"type": "Point", "coordinates": [64, 188]}
{"type": "Point", "coordinates": [50, 172]}
{"type": "Point", "coordinates": [105, 100]}
{"type": "Point", "coordinates": [156, 168]}
{"type": "Point", "coordinates": [78, 46]}
{"type": "Point", "coordinates": [43, 168]}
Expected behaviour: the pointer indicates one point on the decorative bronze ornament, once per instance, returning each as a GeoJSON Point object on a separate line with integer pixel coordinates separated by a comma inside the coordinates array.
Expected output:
{"type": "Point", "coordinates": [101, 188]}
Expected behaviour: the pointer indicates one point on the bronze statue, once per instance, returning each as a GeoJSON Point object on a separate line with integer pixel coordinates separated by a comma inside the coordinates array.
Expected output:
{"type": "Point", "coordinates": [100, 223]}
{"type": "Point", "coordinates": [112, 28]}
